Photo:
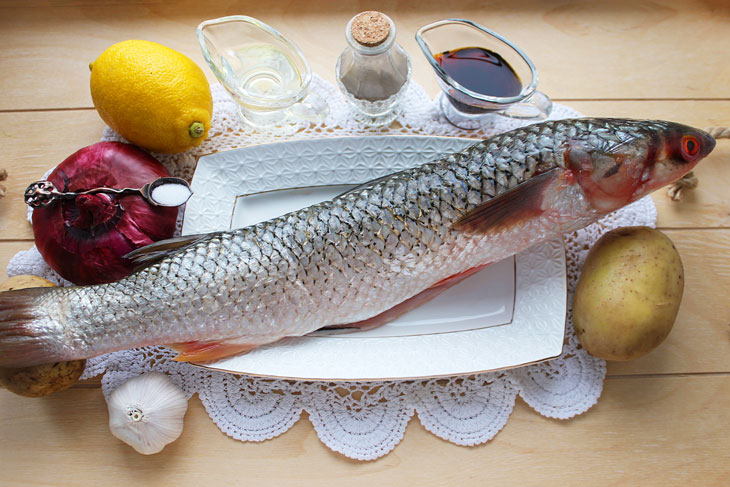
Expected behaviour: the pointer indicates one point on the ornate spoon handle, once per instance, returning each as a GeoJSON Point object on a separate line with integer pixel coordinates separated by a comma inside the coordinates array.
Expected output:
{"type": "Point", "coordinates": [44, 193]}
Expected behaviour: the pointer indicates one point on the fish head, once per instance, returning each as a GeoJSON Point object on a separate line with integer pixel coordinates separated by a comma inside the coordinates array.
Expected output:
{"type": "Point", "coordinates": [617, 164]}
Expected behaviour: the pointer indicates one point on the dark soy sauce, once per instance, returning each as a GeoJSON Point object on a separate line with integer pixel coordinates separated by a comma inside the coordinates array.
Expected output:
{"type": "Point", "coordinates": [479, 70]}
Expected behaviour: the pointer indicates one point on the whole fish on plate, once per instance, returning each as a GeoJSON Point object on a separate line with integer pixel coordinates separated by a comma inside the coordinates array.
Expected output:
{"type": "Point", "coordinates": [361, 258]}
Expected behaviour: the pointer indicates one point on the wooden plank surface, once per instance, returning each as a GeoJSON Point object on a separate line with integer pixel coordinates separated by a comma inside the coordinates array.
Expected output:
{"type": "Point", "coordinates": [595, 57]}
{"type": "Point", "coordinates": [644, 431]}
{"type": "Point", "coordinates": [661, 419]}
{"type": "Point", "coordinates": [33, 143]}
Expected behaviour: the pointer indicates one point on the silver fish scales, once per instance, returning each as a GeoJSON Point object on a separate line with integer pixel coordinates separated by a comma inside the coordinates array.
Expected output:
{"type": "Point", "coordinates": [361, 255]}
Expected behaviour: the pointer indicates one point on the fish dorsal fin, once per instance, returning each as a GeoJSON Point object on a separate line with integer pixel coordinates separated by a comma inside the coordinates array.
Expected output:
{"type": "Point", "coordinates": [515, 205]}
{"type": "Point", "coordinates": [153, 252]}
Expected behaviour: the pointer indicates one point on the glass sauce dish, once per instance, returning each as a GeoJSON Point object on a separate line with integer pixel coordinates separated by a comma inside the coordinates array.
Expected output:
{"type": "Point", "coordinates": [470, 104]}
{"type": "Point", "coordinates": [265, 73]}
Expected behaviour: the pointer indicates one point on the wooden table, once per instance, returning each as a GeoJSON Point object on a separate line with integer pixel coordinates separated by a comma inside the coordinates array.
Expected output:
{"type": "Point", "coordinates": [662, 419]}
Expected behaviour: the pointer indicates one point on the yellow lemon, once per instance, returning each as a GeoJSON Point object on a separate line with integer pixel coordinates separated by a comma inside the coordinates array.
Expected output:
{"type": "Point", "coordinates": [152, 96]}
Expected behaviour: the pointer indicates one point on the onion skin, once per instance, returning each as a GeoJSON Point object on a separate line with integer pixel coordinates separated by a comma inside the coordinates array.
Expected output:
{"type": "Point", "coordinates": [84, 239]}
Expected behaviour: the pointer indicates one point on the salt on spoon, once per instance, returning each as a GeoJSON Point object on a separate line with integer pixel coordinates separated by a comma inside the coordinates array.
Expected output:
{"type": "Point", "coordinates": [164, 191]}
{"type": "Point", "coordinates": [170, 193]}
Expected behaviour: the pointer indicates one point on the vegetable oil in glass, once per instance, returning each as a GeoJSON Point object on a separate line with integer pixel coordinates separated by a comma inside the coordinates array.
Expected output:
{"type": "Point", "coordinates": [265, 73]}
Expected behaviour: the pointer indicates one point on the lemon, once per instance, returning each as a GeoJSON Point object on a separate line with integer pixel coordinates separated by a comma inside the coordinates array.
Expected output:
{"type": "Point", "coordinates": [152, 96]}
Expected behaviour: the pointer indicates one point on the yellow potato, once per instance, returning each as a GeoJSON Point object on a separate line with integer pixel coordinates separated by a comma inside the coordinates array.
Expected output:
{"type": "Point", "coordinates": [628, 293]}
{"type": "Point", "coordinates": [42, 380]}
{"type": "Point", "coordinates": [39, 380]}
{"type": "Point", "coordinates": [21, 282]}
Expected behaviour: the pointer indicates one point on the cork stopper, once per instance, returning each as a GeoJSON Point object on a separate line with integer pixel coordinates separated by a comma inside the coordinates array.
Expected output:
{"type": "Point", "coordinates": [370, 28]}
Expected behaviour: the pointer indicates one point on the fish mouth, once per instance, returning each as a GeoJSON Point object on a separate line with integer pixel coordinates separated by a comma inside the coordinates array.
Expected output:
{"type": "Point", "coordinates": [708, 143]}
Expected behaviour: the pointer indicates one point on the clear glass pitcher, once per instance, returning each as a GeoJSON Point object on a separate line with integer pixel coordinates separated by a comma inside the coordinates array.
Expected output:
{"type": "Point", "coordinates": [265, 72]}
{"type": "Point", "coordinates": [470, 109]}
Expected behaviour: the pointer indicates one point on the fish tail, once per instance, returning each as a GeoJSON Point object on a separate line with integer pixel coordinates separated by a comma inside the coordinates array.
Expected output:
{"type": "Point", "coordinates": [21, 343]}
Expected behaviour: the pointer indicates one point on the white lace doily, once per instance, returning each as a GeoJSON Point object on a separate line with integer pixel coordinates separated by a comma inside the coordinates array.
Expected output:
{"type": "Point", "coordinates": [366, 420]}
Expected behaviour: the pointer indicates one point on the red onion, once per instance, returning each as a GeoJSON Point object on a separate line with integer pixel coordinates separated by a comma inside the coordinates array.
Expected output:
{"type": "Point", "coordinates": [84, 239]}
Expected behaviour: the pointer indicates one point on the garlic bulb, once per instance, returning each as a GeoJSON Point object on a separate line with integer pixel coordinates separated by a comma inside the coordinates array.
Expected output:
{"type": "Point", "coordinates": [147, 412]}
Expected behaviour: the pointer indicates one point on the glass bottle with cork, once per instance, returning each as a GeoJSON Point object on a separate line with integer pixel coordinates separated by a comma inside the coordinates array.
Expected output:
{"type": "Point", "coordinates": [373, 71]}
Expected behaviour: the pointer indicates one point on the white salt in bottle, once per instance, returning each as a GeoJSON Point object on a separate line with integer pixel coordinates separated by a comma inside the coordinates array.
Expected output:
{"type": "Point", "coordinates": [373, 71]}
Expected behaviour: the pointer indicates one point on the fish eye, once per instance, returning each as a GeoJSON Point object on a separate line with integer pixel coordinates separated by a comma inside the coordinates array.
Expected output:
{"type": "Point", "coordinates": [690, 146]}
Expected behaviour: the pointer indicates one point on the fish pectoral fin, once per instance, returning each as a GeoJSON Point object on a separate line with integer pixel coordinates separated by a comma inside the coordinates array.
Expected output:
{"type": "Point", "coordinates": [155, 251]}
{"type": "Point", "coordinates": [515, 205]}
{"type": "Point", "coordinates": [212, 350]}
{"type": "Point", "coordinates": [399, 309]}
{"type": "Point", "coordinates": [457, 278]}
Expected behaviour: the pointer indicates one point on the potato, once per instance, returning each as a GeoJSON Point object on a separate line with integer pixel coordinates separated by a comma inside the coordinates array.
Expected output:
{"type": "Point", "coordinates": [21, 282]}
{"type": "Point", "coordinates": [39, 380]}
{"type": "Point", "coordinates": [628, 293]}
{"type": "Point", "coordinates": [42, 380]}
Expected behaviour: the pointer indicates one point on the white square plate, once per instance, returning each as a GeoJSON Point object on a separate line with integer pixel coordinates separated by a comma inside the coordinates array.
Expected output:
{"type": "Point", "coordinates": [510, 314]}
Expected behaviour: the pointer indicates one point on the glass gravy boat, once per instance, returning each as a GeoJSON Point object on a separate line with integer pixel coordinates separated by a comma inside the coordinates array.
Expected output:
{"type": "Point", "coordinates": [265, 73]}
{"type": "Point", "coordinates": [470, 109]}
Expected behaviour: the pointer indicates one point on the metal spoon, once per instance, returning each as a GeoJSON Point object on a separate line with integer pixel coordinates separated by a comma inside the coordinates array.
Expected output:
{"type": "Point", "coordinates": [44, 193]}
